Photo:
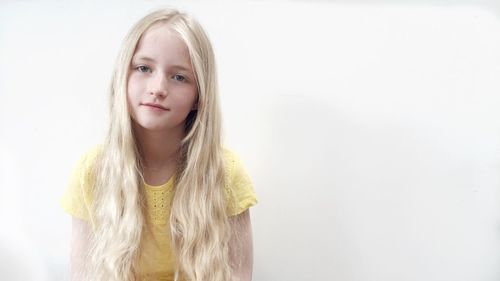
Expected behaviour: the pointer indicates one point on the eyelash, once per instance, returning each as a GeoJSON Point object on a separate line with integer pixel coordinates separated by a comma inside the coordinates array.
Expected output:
{"type": "Point", "coordinates": [143, 69]}
{"type": "Point", "coordinates": [183, 79]}
{"type": "Point", "coordinates": [140, 68]}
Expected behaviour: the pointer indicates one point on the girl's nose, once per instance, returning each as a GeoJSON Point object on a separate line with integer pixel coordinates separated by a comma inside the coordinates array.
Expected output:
{"type": "Point", "coordinates": [158, 86]}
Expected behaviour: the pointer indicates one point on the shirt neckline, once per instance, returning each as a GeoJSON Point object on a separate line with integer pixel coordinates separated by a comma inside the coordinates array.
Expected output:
{"type": "Point", "coordinates": [163, 186]}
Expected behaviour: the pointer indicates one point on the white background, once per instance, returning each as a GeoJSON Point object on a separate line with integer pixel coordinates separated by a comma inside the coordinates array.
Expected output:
{"type": "Point", "coordinates": [371, 130]}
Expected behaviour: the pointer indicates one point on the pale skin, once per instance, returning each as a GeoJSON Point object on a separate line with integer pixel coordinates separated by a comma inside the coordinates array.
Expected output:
{"type": "Point", "coordinates": [161, 76]}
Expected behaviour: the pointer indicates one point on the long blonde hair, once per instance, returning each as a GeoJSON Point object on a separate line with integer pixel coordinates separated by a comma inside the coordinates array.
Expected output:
{"type": "Point", "coordinates": [199, 225]}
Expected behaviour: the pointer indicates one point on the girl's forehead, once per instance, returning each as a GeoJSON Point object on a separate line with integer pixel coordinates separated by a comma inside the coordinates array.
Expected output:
{"type": "Point", "coordinates": [159, 33]}
{"type": "Point", "coordinates": [160, 41]}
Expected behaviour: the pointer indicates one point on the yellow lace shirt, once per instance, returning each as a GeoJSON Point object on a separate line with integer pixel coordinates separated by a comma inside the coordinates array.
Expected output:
{"type": "Point", "coordinates": [157, 261]}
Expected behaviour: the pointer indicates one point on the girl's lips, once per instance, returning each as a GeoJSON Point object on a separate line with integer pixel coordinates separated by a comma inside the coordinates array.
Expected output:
{"type": "Point", "coordinates": [156, 106]}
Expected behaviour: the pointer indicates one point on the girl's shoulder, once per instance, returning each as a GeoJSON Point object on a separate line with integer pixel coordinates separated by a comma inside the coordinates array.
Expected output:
{"type": "Point", "coordinates": [86, 165]}
{"type": "Point", "coordinates": [232, 162]}
{"type": "Point", "coordinates": [91, 155]}
{"type": "Point", "coordinates": [78, 195]}
{"type": "Point", "coordinates": [229, 155]}
{"type": "Point", "coordinates": [238, 184]}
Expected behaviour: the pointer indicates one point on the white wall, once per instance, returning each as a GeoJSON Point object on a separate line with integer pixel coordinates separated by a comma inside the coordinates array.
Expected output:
{"type": "Point", "coordinates": [371, 131]}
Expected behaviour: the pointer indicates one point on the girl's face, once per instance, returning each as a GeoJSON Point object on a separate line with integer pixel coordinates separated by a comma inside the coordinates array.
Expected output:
{"type": "Point", "coordinates": [161, 88]}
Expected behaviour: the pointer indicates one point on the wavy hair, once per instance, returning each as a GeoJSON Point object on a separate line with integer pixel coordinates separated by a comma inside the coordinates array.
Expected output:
{"type": "Point", "coordinates": [199, 225]}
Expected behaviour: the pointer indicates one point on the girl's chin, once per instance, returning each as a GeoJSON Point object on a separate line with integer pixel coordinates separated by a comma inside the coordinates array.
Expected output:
{"type": "Point", "coordinates": [153, 127]}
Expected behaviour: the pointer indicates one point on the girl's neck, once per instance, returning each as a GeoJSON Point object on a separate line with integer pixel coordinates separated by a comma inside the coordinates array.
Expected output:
{"type": "Point", "coordinates": [158, 148]}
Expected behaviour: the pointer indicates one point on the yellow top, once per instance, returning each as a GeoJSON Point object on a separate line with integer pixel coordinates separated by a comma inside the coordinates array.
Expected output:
{"type": "Point", "coordinates": [157, 261]}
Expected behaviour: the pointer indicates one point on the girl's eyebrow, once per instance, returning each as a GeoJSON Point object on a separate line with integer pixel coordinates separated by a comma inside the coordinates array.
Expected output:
{"type": "Point", "coordinates": [181, 67]}
{"type": "Point", "coordinates": [143, 58]}
{"type": "Point", "coordinates": [177, 66]}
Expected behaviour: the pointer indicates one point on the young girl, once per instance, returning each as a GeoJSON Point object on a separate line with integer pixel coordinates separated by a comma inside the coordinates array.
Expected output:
{"type": "Point", "coordinates": [161, 199]}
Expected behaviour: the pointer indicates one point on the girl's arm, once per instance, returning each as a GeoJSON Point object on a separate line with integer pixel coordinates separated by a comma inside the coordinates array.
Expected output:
{"type": "Point", "coordinates": [80, 231]}
{"type": "Point", "coordinates": [241, 247]}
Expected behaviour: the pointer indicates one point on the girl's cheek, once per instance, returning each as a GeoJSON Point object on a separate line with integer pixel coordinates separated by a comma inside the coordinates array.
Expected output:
{"type": "Point", "coordinates": [132, 79]}
{"type": "Point", "coordinates": [134, 84]}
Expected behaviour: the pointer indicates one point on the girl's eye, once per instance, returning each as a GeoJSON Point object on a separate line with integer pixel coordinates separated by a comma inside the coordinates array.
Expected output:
{"type": "Point", "coordinates": [179, 78]}
{"type": "Point", "coordinates": [143, 68]}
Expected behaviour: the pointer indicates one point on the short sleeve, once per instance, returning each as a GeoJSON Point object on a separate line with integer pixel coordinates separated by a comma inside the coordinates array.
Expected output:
{"type": "Point", "coordinates": [239, 187]}
{"type": "Point", "coordinates": [77, 197]}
